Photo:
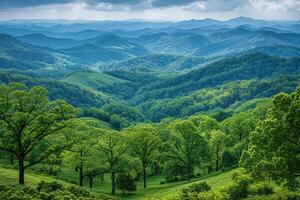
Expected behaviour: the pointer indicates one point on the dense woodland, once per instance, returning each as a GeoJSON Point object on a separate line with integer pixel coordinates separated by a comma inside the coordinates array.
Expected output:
{"type": "Point", "coordinates": [188, 114]}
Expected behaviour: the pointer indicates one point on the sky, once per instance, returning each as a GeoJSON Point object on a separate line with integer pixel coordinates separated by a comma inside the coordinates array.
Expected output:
{"type": "Point", "coordinates": [162, 10]}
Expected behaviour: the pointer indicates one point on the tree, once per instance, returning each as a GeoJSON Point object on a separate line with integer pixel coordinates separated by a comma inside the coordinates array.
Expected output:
{"type": "Point", "coordinates": [274, 150]}
{"type": "Point", "coordinates": [113, 146]}
{"type": "Point", "coordinates": [83, 154]}
{"type": "Point", "coordinates": [145, 142]}
{"type": "Point", "coordinates": [28, 121]}
{"type": "Point", "coordinates": [217, 142]}
{"type": "Point", "coordinates": [126, 182]}
{"type": "Point", "coordinates": [187, 147]}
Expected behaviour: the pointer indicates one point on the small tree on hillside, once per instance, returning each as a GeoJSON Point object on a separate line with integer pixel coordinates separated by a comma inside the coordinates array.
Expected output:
{"type": "Point", "coordinates": [187, 147]}
{"type": "Point", "coordinates": [145, 143]}
{"type": "Point", "coordinates": [113, 146]}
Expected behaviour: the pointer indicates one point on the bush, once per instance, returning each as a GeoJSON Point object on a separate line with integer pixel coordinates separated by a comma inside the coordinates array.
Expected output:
{"type": "Point", "coordinates": [45, 191]}
{"type": "Point", "coordinates": [240, 188]}
{"type": "Point", "coordinates": [162, 182]}
{"type": "Point", "coordinates": [281, 195]}
{"type": "Point", "coordinates": [192, 190]}
{"type": "Point", "coordinates": [261, 189]}
{"type": "Point", "coordinates": [126, 182]}
{"type": "Point", "coordinates": [49, 187]}
{"type": "Point", "coordinates": [78, 191]}
{"type": "Point", "coordinates": [213, 195]}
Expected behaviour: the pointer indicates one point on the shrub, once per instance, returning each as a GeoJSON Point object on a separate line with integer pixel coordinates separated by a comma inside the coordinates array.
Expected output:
{"type": "Point", "coordinates": [126, 182]}
{"type": "Point", "coordinates": [49, 187]}
{"type": "Point", "coordinates": [192, 190]}
{"type": "Point", "coordinates": [261, 189]}
{"type": "Point", "coordinates": [240, 188]}
{"type": "Point", "coordinates": [78, 191]}
{"type": "Point", "coordinates": [162, 182]}
{"type": "Point", "coordinates": [213, 195]}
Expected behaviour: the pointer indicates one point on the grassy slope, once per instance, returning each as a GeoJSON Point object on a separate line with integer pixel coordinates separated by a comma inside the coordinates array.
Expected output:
{"type": "Point", "coordinates": [96, 123]}
{"type": "Point", "coordinates": [10, 177]}
{"type": "Point", "coordinates": [91, 80]}
{"type": "Point", "coordinates": [155, 189]}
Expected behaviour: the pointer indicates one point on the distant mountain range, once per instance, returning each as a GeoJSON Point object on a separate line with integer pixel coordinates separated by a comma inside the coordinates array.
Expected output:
{"type": "Point", "coordinates": [67, 46]}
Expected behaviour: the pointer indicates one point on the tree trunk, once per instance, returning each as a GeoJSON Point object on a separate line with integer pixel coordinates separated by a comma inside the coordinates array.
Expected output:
{"type": "Point", "coordinates": [123, 187]}
{"type": "Point", "coordinates": [81, 175]}
{"type": "Point", "coordinates": [91, 181]}
{"type": "Point", "coordinates": [21, 170]}
{"type": "Point", "coordinates": [217, 161]}
{"type": "Point", "coordinates": [12, 159]}
{"type": "Point", "coordinates": [113, 182]}
{"type": "Point", "coordinates": [144, 175]}
{"type": "Point", "coordinates": [189, 172]}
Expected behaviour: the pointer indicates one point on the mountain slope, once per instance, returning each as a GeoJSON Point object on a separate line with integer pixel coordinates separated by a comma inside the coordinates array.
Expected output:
{"type": "Point", "coordinates": [17, 55]}
{"type": "Point", "coordinates": [160, 62]}
{"type": "Point", "coordinates": [91, 80]}
{"type": "Point", "coordinates": [104, 48]}
{"type": "Point", "coordinates": [246, 67]}
{"type": "Point", "coordinates": [45, 41]}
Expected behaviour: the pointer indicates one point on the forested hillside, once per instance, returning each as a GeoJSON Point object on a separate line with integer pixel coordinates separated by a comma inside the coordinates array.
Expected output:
{"type": "Point", "coordinates": [197, 109]}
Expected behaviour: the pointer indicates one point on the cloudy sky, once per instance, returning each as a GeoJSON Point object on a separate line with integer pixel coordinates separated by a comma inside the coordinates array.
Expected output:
{"type": "Point", "coordinates": [167, 10]}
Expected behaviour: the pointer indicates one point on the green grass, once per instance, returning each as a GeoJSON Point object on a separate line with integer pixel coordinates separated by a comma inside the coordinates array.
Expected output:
{"type": "Point", "coordinates": [91, 80]}
{"type": "Point", "coordinates": [154, 188]}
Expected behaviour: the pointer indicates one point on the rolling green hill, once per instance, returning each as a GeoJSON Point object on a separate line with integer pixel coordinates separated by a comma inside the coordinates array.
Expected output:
{"type": "Point", "coordinates": [91, 80]}
{"type": "Point", "coordinates": [158, 62]}
{"type": "Point", "coordinates": [154, 190]}
{"type": "Point", "coordinates": [46, 41]}
{"type": "Point", "coordinates": [24, 57]}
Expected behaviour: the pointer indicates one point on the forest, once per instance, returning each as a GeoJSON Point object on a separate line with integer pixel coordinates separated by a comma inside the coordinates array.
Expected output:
{"type": "Point", "coordinates": [109, 110]}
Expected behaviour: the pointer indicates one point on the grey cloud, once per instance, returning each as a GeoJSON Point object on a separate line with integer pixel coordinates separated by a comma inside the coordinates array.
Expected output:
{"type": "Point", "coordinates": [29, 3]}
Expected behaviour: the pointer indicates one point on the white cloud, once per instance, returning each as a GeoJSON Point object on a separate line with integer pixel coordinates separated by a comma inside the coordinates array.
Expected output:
{"type": "Point", "coordinates": [218, 9]}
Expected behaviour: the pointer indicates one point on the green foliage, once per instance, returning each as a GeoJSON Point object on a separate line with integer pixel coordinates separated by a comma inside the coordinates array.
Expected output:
{"type": "Point", "coordinates": [49, 187]}
{"type": "Point", "coordinates": [45, 191]}
{"type": "Point", "coordinates": [91, 80]}
{"type": "Point", "coordinates": [274, 148]}
{"type": "Point", "coordinates": [240, 188]}
{"type": "Point", "coordinates": [214, 99]}
{"type": "Point", "coordinates": [145, 143]}
{"type": "Point", "coordinates": [58, 90]}
{"type": "Point", "coordinates": [27, 120]}
{"type": "Point", "coordinates": [94, 112]}
{"type": "Point", "coordinates": [194, 189]}
{"type": "Point", "coordinates": [126, 182]}
{"type": "Point", "coordinates": [262, 188]}
{"type": "Point", "coordinates": [186, 147]}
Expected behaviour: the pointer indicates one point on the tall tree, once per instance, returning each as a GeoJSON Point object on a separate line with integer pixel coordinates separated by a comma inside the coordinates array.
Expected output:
{"type": "Point", "coordinates": [83, 154]}
{"type": "Point", "coordinates": [274, 149]}
{"type": "Point", "coordinates": [145, 143]}
{"type": "Point", "coordinates": [28, 120]}
{"type": "Point", "coordinates": [217, 143]}
{"type": "Point", "coordinates": [113, 146]}
{"type": "Point", "coordinates": [187, 146]}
